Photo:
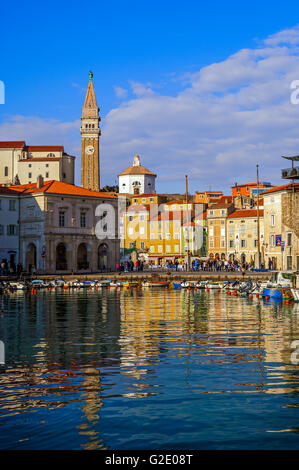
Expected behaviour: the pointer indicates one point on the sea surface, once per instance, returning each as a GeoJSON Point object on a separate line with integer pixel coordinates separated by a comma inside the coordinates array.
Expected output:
{"type": "Point", "coordinates": [148, 369]}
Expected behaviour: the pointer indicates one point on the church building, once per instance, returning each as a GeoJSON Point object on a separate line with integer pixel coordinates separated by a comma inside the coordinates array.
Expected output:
{"type": "Point", "coordinates": [136, 179]}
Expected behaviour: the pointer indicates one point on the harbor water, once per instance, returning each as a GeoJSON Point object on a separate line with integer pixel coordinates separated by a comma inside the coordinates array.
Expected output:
{"type": "Point", "coordinates": [148, 369]}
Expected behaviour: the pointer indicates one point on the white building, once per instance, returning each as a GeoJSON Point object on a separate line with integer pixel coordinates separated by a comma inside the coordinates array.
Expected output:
{"type": "Point", "coordinates": [9, 226]}
{"type": "Point", "coordinates": [22, 164]}
{"type": "Point", "coordinates": [136, 179]}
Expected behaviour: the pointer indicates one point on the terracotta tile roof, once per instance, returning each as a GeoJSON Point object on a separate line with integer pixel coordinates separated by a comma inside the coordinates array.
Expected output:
{"type": "Point", "coordinates": [182, 201]}
{"type": "Point", "coordinates": [14, 144]}
{"type": "Point", "coordinates": [5, 190]}
{"type": "Point", "coordinates": [139, 208]}
{"type": "Point", "coordinates": [245, 213]}
{"type": "Point", "coordinates": [46, 159]}
{"type": "Point", "coordinates": [137, 170]}
{"type": "Point", "coordinates": [45, 148]}
{"type": "Point", "coordinates": [58, 187]}
{"type": "Point", "coordinates": [281, 188]}
{"type": "Point", "coordinates": [202, 215]}
{"type": "Point", "coordinates": [219, 206]}
{"type": "Point", "coordinates": [144, 195]}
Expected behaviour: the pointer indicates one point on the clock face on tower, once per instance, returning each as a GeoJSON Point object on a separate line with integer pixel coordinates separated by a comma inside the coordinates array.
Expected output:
{"type": "Point", "coordinates": [89, 150]}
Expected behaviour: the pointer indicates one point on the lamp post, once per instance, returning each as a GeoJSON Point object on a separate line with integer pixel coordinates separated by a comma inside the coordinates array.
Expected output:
{"type": "Point", "coordinates": [258, 219]}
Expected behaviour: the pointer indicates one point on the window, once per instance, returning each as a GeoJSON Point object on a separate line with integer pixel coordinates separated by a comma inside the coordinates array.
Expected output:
{"type": "Point", "coordinates": [176, 236]}
{"type": "Point", "coordinates": [130, 218]}
{"type": "Point", "coordinates": [1, 229]}
{"type": "Point", "coordinates": [142, 217]}
{"type": "Point", "coordinates": [83, 219]}
{"type": "Point", "coordinates": [211, 222]}
{"type": "Point", "coordinates": [289, 239]}
{"type": "Point", "coordinates": [61, 219]}
{"type": "Point", "coordinates": [243, 243]}
{"type": "Point", "coordinates": [223, 212]}
{"type": "Point", "coordinates": [211, 243]}
{"type": "Point", "coordinates": [135, 200]}
{"type": "Point", "coordinates": [255, 243]}
{"type": "Point", "coordinates": [143, 199]}
{"type": "Point", "coordinates": [222, 243]}
{"type": "Point", "coordinates": [159, 248]}
{"type": "Point", "coordinates": [211, 213]}
{"type": "Point", "coordinates": [176, 248]}
{"type": "Point", "coordinates": [47, 165]}
{"type": "Point", "coordinates": [51, 155]}
{"type": "Point", "coordinates": [272, 220]}
{"type": "Point", "coordinates": [6, 171]}
{"type": "Point", "coordinates": [289, 262]}
{"type": "Point", "coordinates": [11, 229]}
{"type": "Point", "coordinates": [222, 222]}
{"type": "Point", "coordinates": [31, 165]}
{"type": "Point", "coordinates": [152, 236]}
{"type": "Point", "coordinates": [130, 230]}
{"type": "Point", "coordinates": [142, 245]}
{"type": "Point", "coordinates": [12, 205]}
{"type": "Point", "coordinates": [141, 230]}
{"type": "Point", "coordinates": [152, 248]}
{"type": "Point", "coordinates": [160, 236]}
{"type": "Point", "coordinates": [151, 199]}
{"type": "Point", "coordinates": [47, 175]}
{"type": "Point", "coordinates": [272, 240]}
{"type": "Point", "coordinates": [231, 243]}
{"type": "Point", "coordinates": [167, 236]}
{"type": "Point", "coordinates": [132, 245]}
{"type": "Point", "coordinates": [29, 175]}
{"type": "Point", "coordinates": [168, 250]}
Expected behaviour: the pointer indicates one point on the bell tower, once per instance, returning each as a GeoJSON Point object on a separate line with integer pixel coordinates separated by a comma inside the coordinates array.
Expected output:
{"type": "Point", "coordinates": [90, 132]}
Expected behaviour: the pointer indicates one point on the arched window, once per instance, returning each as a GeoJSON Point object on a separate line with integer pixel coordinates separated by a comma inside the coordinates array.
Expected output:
{"type": "Point", "coordinates": [51, 155]}
{"type": "Point", "coordinates": [6, 171]}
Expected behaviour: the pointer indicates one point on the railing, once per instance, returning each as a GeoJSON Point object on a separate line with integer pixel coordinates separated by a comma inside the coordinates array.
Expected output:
{"type": "Point", "coordinates": [289, 173]}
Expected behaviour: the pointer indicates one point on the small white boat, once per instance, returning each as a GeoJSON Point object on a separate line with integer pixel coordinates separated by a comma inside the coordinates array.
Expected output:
{"type": "Point", "coordinates": [18, 285]}
{"type": "Point", "coordinates": [155, 283]}
{"type": "Point", "coordinates": [188, 284]}
{"type": "Point", "coordinates": [214, 285]}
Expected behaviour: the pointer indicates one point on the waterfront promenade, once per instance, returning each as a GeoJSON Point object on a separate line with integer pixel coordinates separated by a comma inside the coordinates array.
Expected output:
{"type": "Point", "coordinates": [148, 274]}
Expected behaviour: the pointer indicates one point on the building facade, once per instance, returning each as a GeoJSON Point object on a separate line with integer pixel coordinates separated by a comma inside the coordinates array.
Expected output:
{"type": "Point", "coordinates": [281, 220]}
{"type": "Point", "coordinates": [242, 236]}
{"type": "Point", "coordinates": [9, 227]}
{"type": "Point", "coordinates": [66, 228]}
{"type": "Point", "coordinates": [22, 164]}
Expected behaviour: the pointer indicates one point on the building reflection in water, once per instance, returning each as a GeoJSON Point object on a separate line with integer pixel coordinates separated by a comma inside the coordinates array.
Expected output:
{"type": "Point", "coordinates": [84, 347]}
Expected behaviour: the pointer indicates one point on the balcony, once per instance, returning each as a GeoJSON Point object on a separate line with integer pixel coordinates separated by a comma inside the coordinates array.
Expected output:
{"type": "Point", "coordinates": [290, 173]}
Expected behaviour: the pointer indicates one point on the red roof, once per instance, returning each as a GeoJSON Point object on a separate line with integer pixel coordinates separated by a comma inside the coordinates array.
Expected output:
{"type": "Point", "coordinates": [13, 144]}
{"type": "Point", "coordinates": [58, 187]}
{"type": "Point", "coordinates": [46, 159]}
{"type": "Point", "coordinates": [281, 188]}
{"type": "Point", "coordinates": [45, 148]}
{"type": "Point", "coordinates": [245, 213]}
{"type": "Point", "coordinates": [5, 190]}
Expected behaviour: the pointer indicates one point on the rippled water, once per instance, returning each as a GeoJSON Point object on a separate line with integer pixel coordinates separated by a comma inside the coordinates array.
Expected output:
{"type": "Point", "coordinates": [148, 369]}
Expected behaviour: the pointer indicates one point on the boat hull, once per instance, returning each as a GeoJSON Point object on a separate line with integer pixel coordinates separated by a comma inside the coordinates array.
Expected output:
{"type": "Point", "coordinates": [274, 293]}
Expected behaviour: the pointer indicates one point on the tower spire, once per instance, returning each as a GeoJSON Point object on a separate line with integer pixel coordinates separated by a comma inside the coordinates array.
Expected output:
{"type": "Point", "coordinates": [90, 131]}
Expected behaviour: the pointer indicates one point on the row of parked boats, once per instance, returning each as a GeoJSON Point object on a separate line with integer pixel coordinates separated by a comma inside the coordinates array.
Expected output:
{"type": "Point", "coordinates": [280, 286]}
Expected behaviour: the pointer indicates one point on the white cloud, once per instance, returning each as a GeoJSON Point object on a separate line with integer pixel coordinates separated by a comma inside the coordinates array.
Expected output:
{"type": "Point", "coordinates": [226, 118]}
{"type": "Point", "coordinates": [120, 92]}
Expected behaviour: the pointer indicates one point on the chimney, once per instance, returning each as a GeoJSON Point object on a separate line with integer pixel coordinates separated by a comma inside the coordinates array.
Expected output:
{"type": "Point", "coordinates": [40, 181]}
{"type": "Point", "coordinates": [136, 161]}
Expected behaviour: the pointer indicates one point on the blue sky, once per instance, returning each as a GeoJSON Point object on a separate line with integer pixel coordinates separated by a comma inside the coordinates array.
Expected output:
{"type": "Point", "coordinates": [154, 67]}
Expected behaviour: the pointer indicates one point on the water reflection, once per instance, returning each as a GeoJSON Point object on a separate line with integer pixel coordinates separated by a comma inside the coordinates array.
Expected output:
{"type": "Point", "coordinates": [76, 361]}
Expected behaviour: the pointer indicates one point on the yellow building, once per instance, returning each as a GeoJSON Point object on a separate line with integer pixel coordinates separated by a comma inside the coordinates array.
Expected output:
{"type": "Point", "coordinates": [217, 236]}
